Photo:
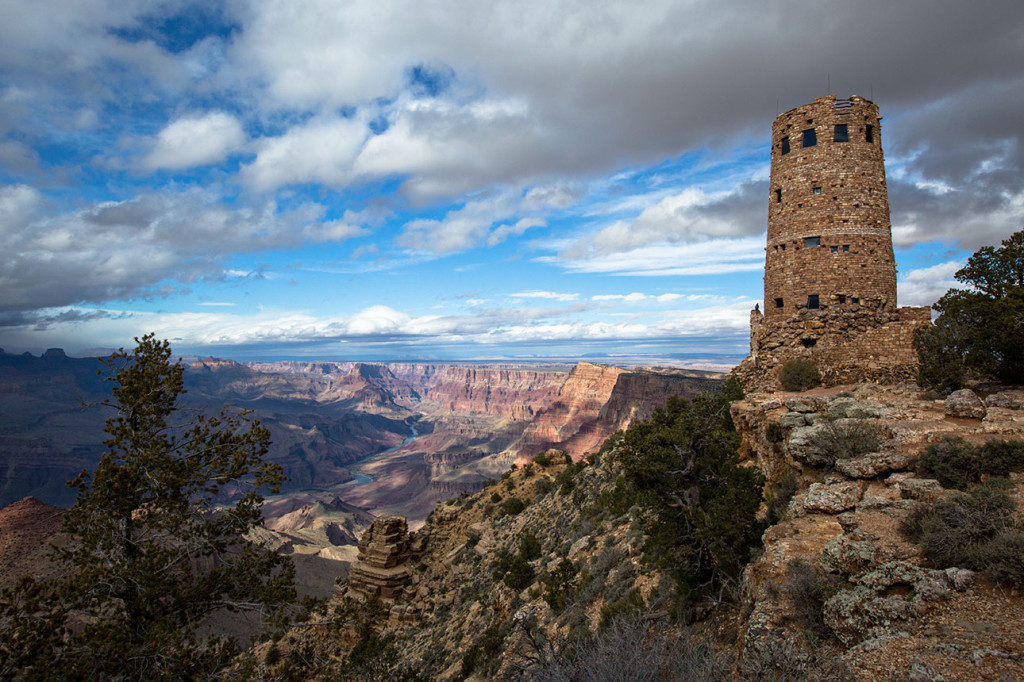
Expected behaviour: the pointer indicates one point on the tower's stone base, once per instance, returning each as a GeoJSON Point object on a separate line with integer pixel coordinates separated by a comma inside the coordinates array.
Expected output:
{"type": "Point", "coordinates": [869, 342]}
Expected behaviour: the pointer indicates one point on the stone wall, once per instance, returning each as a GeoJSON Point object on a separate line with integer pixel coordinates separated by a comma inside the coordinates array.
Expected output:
{"type": "Point", "coordinates": [830, 272]}
{"type": "Point", "coordinates": [867, 342]}
{"type": "Point", "coordinates": [828, 212]}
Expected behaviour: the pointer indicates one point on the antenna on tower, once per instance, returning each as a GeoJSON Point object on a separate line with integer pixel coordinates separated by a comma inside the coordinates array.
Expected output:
{"type": "Point", "coordinates": [829, 81]}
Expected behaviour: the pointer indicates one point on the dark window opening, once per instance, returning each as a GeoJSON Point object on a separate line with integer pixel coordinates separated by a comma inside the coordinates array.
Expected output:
{"type": "Point", "coordinates": [846, 248]}
{"type": "Point", "coordinates": [842, 134]}
{"type": "Point", "coordinates": [812, 302]}
{"type": "Point", "coordinates": [869, 133]}
{"type": "Point", "coordinates": [778, 196]}
{"type": "Point", "coordinates": [778, 303]}
{"type": "Point", "coordinates": [785, 144]}
{"type": "Point", "coordinates": [855, 300]}
{"type": "Point", "coordinates": [811, 241]}
{"type": "Point", "coordinates": [842, 299]}
{"type": "Point", "coordinates": [810, 138]}
{"type": "Point", "coordinates": [816, 190]}
{"type": "Point", "coordinates": [809, 343]}
{"type": "Point", "coordinates": [834, 249]}
{"type": "Point", "coordinates": [783, 247]}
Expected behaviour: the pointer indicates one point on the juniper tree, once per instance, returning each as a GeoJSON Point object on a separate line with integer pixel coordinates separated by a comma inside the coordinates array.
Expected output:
{"type": "Point", "coordinates": [977, 334]}
{"type": "Point", "coordinates": [158, 531]}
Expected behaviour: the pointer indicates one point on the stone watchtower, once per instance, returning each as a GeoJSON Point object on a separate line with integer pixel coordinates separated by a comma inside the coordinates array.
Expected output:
{"type": "Point", "coordinates": [830, 272]}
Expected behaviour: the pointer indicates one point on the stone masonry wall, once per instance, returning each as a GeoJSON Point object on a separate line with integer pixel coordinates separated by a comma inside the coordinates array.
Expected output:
{"type": "Point", "coordinates": [828, 213]}
{"type": "Point", "coordinates": [849, 344]}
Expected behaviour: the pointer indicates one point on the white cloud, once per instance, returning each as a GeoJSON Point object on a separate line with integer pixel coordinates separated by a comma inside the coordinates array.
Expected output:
{"type": "Point", "coordinates": [924, 286]}
{"type": "Point", "coordinates": [716, 256]}
{"type": "Point", "coordinates": [195, 141]}
{"type": "Point", "coordinates": [122, 249]}
{"type": "Point", "coordinates": [550, 295]}
{"type": "Point", "coordinates": [318, 151]}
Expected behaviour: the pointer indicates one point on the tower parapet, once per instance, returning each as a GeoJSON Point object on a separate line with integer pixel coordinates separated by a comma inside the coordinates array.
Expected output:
{"type": "Point", "coordinates": [830, 271]}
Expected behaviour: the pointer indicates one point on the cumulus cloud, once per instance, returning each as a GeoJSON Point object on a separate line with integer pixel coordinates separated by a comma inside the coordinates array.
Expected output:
{"type": "Point", "coordinates": [318, 151]}
{"type": "Point", "coordinates": [924, 286]}
{"type": "Point", "coordinates": [715, 256]}
{"type": "Point", "coordinates": [116, 250]}
{"type": "Point", "coordinates": [195, 141]}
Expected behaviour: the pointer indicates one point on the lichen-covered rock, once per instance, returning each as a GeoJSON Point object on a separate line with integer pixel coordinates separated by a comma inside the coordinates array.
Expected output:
{"type": "Point", "coordinates": [806, 404]}
{"type": "Point", "coordinates": [919, 489]}
{"type": "Point", "coordinates": [832, 498]}
{"type": "Point", "coordinates": [872, 609]}
{"type": "Point", "coordinates": [1012, 400]}
{"type": "Point", "coordinates": [802, 445]}
{"type": "Point", "coordinates": [851, 408]}
{"type": "Point", "coordinates": [849, 554]}
{"type": "Point", "coordinates": [876, 463]}
{"type": "Point", "coordinates": [794, 420]}
{"type": "Point", "coordinates": [965, 403]}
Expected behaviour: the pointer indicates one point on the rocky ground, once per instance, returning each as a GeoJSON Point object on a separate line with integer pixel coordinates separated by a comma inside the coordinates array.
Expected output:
{"type": "Point", "coordinates": [838, 592]}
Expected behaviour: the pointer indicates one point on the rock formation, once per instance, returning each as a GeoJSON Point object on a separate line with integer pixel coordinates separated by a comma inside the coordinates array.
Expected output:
{"type": "Point", "coordinates": [384, 552]}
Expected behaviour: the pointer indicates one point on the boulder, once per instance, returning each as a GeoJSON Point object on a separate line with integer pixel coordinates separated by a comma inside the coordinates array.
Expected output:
{"type": "Point", "coordinates": [832, 498]}
{"type": "Point", "coordinates": [875, 463]}
{"type": "Point", "coordinates": [965, 403]}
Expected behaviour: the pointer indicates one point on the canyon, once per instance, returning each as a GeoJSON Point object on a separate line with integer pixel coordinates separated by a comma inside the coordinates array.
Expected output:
{"type": "Point", "coordinates": [356, 440]}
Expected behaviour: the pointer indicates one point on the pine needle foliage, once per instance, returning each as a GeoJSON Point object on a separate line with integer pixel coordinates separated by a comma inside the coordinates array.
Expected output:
{"type": "Point", "coordinates": [681, 467]}
{"type": "Point", "coordinates": [157, 546]}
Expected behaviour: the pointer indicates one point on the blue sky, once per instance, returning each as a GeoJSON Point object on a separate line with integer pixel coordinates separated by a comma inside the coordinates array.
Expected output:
{"type": "Point", "coordinates": [465, 180]}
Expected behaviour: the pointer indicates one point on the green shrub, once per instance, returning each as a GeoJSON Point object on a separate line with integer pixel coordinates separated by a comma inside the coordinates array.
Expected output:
{"type": "Point", "coordinates": [512, 506]}
{"type": "Point", "coordinates": [542, 460]}
{"type": "Point", "coordinates": [773, 432]}
{"type": "Point", "coordinates": [482, 651]}
{"type": "Point", "coordinates": [809, 588]}
{"type": "Point", "coordinates": [560, 585]}
{"type": "Point", "coordinates": [845, 439]}
{"type": "Point", "coordinates": [799, 374]}
{"type": "Point", "coordinates": [957, 464]}
{"type": "Point", "coordinates": [495, 497]}
{"type": "Point", "coordinates": [977, 333]}
{"type": "Point", "coordinates": [520, 573]}
{"type": "Point", "coordinates": [700, 506]}
{"type": "Point", "coordinates": [566, 478]}
{"type": "Point", "coordinates": [543, 486]}
{"type": "Point", "coordinates": [529, 547]}
{"type": "Point", "coordinates": [979, 530]}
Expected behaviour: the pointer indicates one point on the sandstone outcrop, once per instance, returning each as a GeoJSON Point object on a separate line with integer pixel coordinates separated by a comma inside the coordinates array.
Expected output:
{"type": "Point", "coordinates": [965, 403]}
{"type": "Point", "coordinates": [384, 552]}
{"type": "Point", "coordinates": [893, 616]}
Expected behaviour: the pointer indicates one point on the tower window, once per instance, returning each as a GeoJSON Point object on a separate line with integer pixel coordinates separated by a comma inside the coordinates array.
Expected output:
{"type": "Point", "coordinates": [869, 133]}
{"type": "Point", "coordinates": [846, 248]}
{"type": "Point", "coordinates": [810, 242]}
{"type": "Point", "coordinates": [809, 343]}
{"type": "Point", "coordinates": [855, 300]}
{"type": "Point", "coordinates": [834, 249]}
{"type": "Point", "coordinates": [778, 196]}
{"type": "Point", "coordinates": [785, 144]}
{"type": "Point", "coordinates": [812, 302]}
{"type": "Point", "coordinates": [810, 139]}
{"type": "Point", "coordinates": [816, 190]}
{"type": "Point", "coordinates": [842, 299]}
{"type": "Point", "coordinates": [842, 133]}
{"type": "Point", "coordinates": [778, 303]}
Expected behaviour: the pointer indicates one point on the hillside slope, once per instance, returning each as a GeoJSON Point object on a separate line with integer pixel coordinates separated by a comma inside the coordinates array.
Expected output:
{"type": "Point", "coordinates": [837, 592]}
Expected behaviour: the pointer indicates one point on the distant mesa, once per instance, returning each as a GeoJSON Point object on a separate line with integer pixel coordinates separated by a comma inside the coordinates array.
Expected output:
{"type": "Point", "coordinates": [55, 353]}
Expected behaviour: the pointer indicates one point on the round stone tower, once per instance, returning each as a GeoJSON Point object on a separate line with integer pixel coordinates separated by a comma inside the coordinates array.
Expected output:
{"type": "Point", "coordinates": [829, 236]}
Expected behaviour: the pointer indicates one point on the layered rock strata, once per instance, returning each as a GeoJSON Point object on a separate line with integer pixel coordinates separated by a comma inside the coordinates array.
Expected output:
{"type": "Point", "coordinates": [384, 552]}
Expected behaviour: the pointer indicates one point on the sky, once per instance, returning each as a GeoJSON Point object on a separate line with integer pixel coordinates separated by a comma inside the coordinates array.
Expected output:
{"type": "Point", "coordinates": [409, 180]}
